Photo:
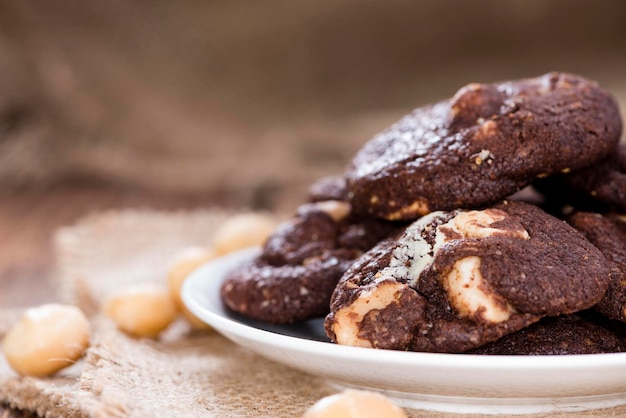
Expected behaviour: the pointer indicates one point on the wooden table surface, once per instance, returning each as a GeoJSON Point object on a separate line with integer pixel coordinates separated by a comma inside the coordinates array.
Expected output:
{"type": "Point", "coordinates": [28, 221]}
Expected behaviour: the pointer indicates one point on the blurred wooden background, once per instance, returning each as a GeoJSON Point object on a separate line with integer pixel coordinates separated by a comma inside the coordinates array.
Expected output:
{"type": "Point", "coordinates": [238, 103]}
{"type": "Point", "coordinates": [253, 100]}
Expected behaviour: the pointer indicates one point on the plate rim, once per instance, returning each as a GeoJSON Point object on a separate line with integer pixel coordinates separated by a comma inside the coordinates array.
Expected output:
{"type": "Point", "coordinates": [514, 385]}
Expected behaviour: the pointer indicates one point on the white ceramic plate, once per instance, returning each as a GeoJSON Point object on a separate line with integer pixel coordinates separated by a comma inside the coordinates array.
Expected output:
{"type": "Point", "coordinates": [441, 382]}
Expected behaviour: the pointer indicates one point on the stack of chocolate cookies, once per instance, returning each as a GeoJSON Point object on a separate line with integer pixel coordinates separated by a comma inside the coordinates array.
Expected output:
{"type": "Point", "coordinates": [426, 244]}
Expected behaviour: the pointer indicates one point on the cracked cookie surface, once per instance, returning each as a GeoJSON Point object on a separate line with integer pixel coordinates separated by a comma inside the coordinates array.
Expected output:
{"type": "Point", "coordinates": [487, 142]}
{"type": "Point", "coordinates": [600, 187]}
{"type": "Point", "coordinates": [300, 264]}
{"type": "Point", "coordinates": [456, 280]}
{"type": "Point", "coordinates": [608, 234]}
{"type": "Point", "coordinates": [560, 335]}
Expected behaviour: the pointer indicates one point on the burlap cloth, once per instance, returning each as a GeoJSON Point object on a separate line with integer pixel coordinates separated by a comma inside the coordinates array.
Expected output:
{"type": "Point", "coordinates": [181, 374]}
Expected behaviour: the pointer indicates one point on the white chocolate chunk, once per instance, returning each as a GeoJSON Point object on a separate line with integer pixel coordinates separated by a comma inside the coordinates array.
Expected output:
{"type": "Point", "coordinates": [483, 155]}
{"type": "Point", "coordinates": [414, 254]}
{"type": "Point", "coordinates": [477, 224]}
{"type": "Point", "coordinates": [467, 297]}
{"type": "Point", "coordinates": [348, 319]}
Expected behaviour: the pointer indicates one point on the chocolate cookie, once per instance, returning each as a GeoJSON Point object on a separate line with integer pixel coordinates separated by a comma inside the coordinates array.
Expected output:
{"type": "Point", "coordinates": [560, 335]}
{"type": "Point", "coordinates": [484, 144]}
{"type": "Point", "coordinates": [456, 280]}
{"type": "Point", "coordinates": [600, 187]}
{"type": "Point", "coordinates": [328, 188]}
{"type": "Point", "coordinates": [609, 235]}
{"type": "Point", "coordinates": [301, 262]}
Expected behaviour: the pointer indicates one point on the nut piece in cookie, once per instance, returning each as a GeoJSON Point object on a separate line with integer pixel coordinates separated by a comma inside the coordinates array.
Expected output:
{"type": "Point", "coordinates": [453, 281]}
{"type": "Point", "coordinates": [487, 142]}
{"type": "Point", "coordinates": [608, 233]}
{"type": "Point", "coordinates": [559, 335]}
{"type": "Point", "coordinates": [301, 262]}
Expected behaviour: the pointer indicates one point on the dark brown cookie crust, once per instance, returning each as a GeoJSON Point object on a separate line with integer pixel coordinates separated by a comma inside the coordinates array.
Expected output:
{"type": "Point", "coordinates": [300, 264]}
{"type": "Point", "coordinates": [484, 144]}
{"type": "Point", "coordinates": [554, 271]}
{"type": "Point", "coordinates": [328, 188]}
{"type": "Point", "coordinates": [600, 187]}
{"type": "Point", "coordinates": [560, 335]}
{"type": "Point", "coordinates": [609, 235]}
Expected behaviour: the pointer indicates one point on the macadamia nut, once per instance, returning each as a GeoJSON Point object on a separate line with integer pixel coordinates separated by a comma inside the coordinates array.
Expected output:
{"type": "Point", "coordinates": [47, 339]}
{"type": "Point", "coordinates": [355, 404]}
{"type": "Point", "coordinates": [241, 231]}
{"type": "Point", "coordinates": [184, 264]}
{"type": "Point", "coordinates": [141, 311]}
